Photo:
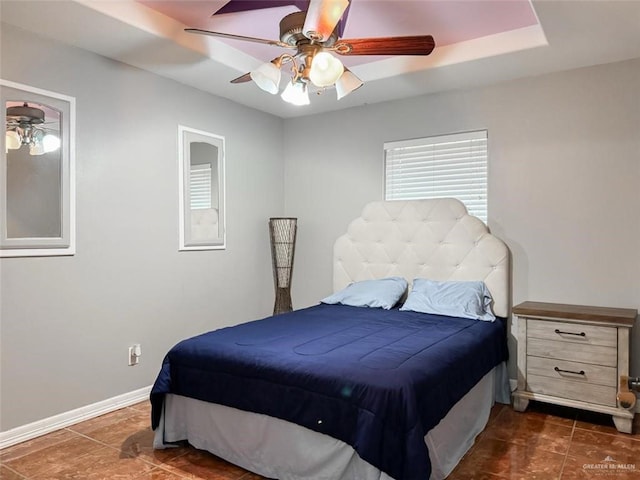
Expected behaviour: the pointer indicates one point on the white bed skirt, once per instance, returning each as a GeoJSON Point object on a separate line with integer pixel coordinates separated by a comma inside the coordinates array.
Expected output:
{"type": "Point", "coordinates": [279, 449]}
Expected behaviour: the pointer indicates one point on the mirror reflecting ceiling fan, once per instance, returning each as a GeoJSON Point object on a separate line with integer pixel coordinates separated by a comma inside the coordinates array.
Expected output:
{"type": "Point", "coordinates": [314, 36]}
{"type": "Point", "coordinates": [26, 127]}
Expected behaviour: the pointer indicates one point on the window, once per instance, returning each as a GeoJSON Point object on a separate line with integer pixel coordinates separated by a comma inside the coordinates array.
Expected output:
{"type": "Point", "coordinates": [200, 186]}
{"type": "Point", "coordinates": [452, 165]}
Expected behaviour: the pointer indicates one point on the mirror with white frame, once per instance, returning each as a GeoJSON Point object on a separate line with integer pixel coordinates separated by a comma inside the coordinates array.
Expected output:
{"type": "Point", "coordinates": [37, 205]}
{"type": "Point", "coordinates": [202, 212]}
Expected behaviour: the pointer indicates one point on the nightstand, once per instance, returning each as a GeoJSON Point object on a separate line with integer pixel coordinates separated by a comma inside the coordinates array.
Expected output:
{"type": "Point", "coordinates": [573, 355]}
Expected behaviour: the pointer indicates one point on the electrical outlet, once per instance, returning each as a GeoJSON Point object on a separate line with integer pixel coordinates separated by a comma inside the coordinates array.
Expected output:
{"type": "Point", "coordinates": [134, 354]}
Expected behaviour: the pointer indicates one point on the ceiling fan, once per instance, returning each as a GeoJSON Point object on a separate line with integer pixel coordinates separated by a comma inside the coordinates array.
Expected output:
{"type": "Point", "coordinates": [314, 35]}
{"type": "Point", "coordinates": [26, 126]}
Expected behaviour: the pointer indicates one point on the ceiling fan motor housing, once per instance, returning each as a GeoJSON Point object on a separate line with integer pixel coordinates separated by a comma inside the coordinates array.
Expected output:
{"type": "Point", "coordinates": [26, 114]}
{"type": "Point", "coordinates": [291, 31]}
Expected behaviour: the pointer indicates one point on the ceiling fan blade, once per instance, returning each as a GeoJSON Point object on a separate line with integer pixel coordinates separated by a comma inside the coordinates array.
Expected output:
{"type": "Point", "coordinates": [410, 45]}
{"type": "Point", "coordinates": [242, 78]}
{"type": "Point", "coordinates": [322, 18]}
{"type": "Point", "coordinates": [234, 6]}
{"type": "Point", "coordinates": [231, 36]}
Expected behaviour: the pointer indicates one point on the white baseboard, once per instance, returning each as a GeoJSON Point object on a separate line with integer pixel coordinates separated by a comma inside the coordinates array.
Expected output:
{"type": "Point", "coordinates": [48, 425]}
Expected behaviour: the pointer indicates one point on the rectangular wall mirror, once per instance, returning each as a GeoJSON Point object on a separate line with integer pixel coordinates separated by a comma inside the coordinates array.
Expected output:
{"type": "Point", "coordinates": [37, 204]}
{"type": "Point", "coordinates": [202, 212]}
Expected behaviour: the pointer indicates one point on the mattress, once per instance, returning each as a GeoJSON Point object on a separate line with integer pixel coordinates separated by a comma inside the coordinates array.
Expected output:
{"type": "Point", "coordinates": [376, 380]}
{"type": "Point", "coordinates": [275, 448]}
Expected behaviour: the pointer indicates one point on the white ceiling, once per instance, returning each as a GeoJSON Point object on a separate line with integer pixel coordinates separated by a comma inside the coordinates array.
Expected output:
{"type": "Point", "coordinates": [569, 34]}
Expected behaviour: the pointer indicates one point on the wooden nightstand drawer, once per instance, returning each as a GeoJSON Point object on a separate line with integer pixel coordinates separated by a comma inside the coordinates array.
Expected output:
{"type": "Point", "coordinates": [584, 392]}
{"type": "Point", "coordinates": [573, 332]}
{"type": "Point", "coordinates": [595, 354]}
{"type": "Point", "coordinates": [575, 371]}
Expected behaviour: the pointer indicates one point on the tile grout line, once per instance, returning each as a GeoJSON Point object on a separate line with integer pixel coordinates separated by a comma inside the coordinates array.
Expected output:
{"type": "Point", "coordinates": [87, 453]}
{"type": "Point", "coordinates": [68, 428]}
{"type": "Point", "coordinates": [611, 434]}
{"type": "Point", "coordinates": [159, 468]}
{"type": "Point", "coordinates": [129, 454]}
{"type": "Point", "coordinates": [99, 444]}
{"type": "Point", "coordinates": [24, 477]}
{"type": "Point", "coordinates": [29, 452]}
{"type": "Point", "coordinates": [98, 441]}
{"type": "Point", "coordinates": [566, 455]}
{"type": "Point", "coordinates": [504, 406]}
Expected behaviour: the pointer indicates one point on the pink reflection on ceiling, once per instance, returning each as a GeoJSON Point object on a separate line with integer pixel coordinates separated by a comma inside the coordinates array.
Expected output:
{"type": "Point", "coordinates": [449, 21]}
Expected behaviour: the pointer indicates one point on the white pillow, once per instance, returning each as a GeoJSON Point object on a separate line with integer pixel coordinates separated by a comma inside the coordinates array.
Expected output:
{"type": "Point", "coordinates": [381, 293]}
{"type": "Point", "coordinates": [455, 299]}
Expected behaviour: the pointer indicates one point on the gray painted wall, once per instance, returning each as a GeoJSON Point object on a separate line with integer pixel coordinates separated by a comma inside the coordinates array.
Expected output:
{"type": "Point", "coordinates": [564, 171]}
{"type": "Point", "coordinates": [564, 176]}
{"type": "Point", "coordinates": [67, 322]}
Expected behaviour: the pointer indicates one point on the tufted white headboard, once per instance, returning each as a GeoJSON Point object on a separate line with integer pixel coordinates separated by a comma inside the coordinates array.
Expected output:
{"type": "Point", "coordinates": [435, 239]}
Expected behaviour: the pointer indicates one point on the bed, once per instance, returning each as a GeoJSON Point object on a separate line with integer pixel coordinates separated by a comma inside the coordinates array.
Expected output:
{"type": "Point", "coordinates": [338, 391]}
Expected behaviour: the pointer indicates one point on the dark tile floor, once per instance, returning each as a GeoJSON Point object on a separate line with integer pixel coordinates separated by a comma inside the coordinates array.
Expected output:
{"type": "Point", "coordinates": [543, 443]}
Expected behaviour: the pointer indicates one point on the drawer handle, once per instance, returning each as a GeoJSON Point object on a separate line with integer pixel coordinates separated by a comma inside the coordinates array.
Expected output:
{"type": "Point", "coordinates": [559, 370]}
{"type": "Point", "coordinates": [560, 332]}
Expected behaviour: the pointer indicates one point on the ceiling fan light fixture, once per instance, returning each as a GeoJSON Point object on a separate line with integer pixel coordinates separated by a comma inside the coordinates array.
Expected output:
{"type": "Point", "coordinates": [325, 69]}
{"type": "Point", "coordinates": [37, 149]}
{"type": "Point", "coordinates": [313, 34]}
{"type": "Point", "coordinates": [50, 143]}
{"type": "Point", "coordinates": [347, 83]}
{"type": "Point", "coordinates": [12, 140]}
{"type": "Point", "coordinates": [296, 93]}
{"type": "Point", "coordinates": [267, 77]}
{"type": "Point", "coordinates": [24, 127]}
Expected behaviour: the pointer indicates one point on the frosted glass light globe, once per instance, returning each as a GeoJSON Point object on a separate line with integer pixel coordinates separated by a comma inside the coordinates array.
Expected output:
{"type": "Point", "coordinates": [12, 140]}
{"type": "Point", "coordinates": [50, 143]}
{"type": "Point", "coordinates": [296, 93]}
{"type": "Point", "coordinates": [267, 77]}
{"type": "Point", "coordinates": [325, 69]}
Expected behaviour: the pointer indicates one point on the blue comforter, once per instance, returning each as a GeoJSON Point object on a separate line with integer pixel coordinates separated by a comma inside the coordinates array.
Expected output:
{"type": "Point", "coordinates": [378, 380]}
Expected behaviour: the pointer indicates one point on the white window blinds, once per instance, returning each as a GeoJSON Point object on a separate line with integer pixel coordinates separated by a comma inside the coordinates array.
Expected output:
{"type": "Point", "coordinates": [452, 165]}
{"type": "Point", "coordinates": [200, 186]}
